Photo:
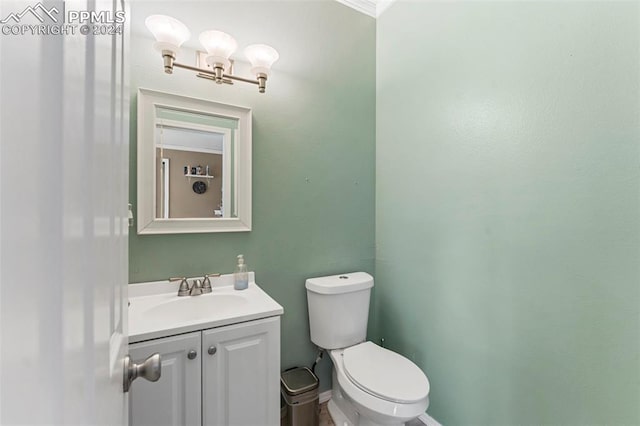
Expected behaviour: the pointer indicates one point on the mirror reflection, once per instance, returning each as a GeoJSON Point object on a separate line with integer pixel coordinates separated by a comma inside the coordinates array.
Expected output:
{"type": "Point", "coordinates": [193, 163]}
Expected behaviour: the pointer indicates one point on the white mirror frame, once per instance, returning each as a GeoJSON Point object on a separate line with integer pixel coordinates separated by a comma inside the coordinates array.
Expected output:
{"type": "Point", "coordinates": [148, 101]}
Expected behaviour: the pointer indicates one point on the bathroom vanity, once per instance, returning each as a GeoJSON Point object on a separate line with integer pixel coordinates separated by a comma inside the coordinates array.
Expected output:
{"type": "Point", "coordinates": [220, 355]}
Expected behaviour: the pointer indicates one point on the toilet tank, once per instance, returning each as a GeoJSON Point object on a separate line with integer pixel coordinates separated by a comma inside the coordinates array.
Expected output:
{"type": "Point", "coordinates": [339, 309]}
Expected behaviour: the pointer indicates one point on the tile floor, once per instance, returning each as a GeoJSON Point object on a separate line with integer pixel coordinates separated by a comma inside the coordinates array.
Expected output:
{"type": "Point", "coordinates": [325, 418]}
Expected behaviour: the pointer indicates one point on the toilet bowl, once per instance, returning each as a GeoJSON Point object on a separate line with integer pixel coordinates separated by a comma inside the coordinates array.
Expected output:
{"type": "Point", "coordinates": [375, 386]}
{"type": "Point", "coordinates": [371, 385]}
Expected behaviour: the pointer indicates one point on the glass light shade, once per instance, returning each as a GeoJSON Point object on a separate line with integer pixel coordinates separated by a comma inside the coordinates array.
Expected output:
{"type": "Point", "coordinates": [169, 32]}
{"type": "Point", "coordinates": [261, 57]}
{"type": "Point", "coordinates": [219, 47]}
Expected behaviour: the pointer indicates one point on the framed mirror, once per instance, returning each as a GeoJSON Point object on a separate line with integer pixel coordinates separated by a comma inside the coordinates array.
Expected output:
{"type": "Point", "coordinates": [194, 165]}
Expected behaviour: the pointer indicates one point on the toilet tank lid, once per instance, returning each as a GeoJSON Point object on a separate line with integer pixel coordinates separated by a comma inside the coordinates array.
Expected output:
{"type": "Point", "coordinates": [343, 283]}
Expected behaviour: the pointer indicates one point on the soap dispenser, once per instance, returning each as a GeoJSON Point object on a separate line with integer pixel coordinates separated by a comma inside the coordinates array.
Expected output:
{"type": "Point", "coordinates": [241, 276]}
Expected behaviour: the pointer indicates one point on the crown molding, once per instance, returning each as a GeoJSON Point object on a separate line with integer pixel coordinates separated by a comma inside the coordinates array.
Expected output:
{"type": "Point", "coordinates": [368, 7]}
{"type": "Point", "coordinates": [382, 5]}
{"type": "Point", "coordinates": [373, 8]}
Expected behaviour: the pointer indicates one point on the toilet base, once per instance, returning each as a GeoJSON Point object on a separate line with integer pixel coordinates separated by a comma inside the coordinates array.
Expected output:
{"type": "Point", "coordinates": [338, 417]}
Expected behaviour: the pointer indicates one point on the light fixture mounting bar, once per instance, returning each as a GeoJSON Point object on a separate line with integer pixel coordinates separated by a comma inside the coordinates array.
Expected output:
{"type": "Point", "coordinates": [212, 78]}
{"type": "Point", "coordinates": [213, 74]}
{"type": "Point", "coordinates": [260, 82]}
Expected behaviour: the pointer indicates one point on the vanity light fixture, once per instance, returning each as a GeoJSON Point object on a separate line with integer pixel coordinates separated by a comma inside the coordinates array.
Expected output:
{"type": "Point", "coordinates": [170, 34]}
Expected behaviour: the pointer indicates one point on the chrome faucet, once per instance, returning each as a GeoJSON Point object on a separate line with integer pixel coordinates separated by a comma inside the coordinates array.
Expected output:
{"type": "Point", "coordinates": [197, 288]}
{"type": "Point", "coordinates": [206, 284]}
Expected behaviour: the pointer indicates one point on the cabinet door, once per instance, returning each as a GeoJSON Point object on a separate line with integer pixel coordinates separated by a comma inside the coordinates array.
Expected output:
{"type": "Point", "coordinates": [175, 399]}
{"type": "Point", "coordinates": [241, 380]}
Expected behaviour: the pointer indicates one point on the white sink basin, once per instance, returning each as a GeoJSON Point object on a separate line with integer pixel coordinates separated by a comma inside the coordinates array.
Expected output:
{"type": "Point", "coordinates": [191, 308]}
{"type": "Point", "coordinates": [155, 309]}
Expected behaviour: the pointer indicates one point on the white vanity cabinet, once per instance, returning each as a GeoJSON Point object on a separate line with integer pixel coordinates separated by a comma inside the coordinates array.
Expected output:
{"type": "Point", "coordinates": [175, 398]}
{"type": "Point", "coordinates": [240, 372]}
{"type": "Point", "coordinates": [224, 376]}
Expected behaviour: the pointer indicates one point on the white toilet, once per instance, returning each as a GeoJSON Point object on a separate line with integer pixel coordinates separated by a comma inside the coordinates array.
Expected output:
{"type": "Point", "coordinates": [371, 385]}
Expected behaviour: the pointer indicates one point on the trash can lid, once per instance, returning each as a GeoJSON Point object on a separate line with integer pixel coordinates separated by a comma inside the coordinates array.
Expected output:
{"type": "Point", "coordinates": [298, 380]}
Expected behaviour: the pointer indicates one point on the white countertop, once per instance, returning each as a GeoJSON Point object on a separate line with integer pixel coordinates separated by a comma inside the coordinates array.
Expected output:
{"type": "Point", "coordinates": [156, 310]}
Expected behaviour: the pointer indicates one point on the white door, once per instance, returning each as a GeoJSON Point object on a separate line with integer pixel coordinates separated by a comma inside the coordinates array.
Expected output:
{"type": "Point", "coordinates": [175, 399]}
{"type": "Point", "coordinates": [63, 219]}
{"type": "Point", "coordinates": [240, 373]}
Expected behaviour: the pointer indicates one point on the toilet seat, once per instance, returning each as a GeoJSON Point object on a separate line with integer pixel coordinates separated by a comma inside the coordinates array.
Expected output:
{"type": "Point", "coordinates": [385, 374]}
{"type": "Point", "coordinates": [381, 410]}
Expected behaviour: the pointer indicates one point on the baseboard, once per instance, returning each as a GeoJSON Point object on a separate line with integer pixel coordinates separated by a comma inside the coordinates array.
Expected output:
{"type": "Point", "coordinates": [324, 396]}
{"type": "Point", "coordinates": [425, 419]}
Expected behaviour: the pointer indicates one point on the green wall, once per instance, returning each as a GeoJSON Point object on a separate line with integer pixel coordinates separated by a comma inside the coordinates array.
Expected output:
{"type": "Point", "coordinates": [507, 207]}
{"type": "Point", "coordinates": [506, 190]}
{"type": "Point", "coordinates": [313, 151]}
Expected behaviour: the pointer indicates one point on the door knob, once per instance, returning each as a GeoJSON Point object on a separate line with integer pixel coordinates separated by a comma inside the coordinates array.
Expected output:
{"type": "Point", "coordinates": [192, 354]}
{"type": "Point", "coordinates": [150, 369]}
{"type": "Point", "coordinates": [212, 350]}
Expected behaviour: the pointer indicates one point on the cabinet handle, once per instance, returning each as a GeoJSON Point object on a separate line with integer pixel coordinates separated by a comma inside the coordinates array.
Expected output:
{"type": "Point", "coordinates": [192, 354]}
{"type": "Point", "coordinates": [212, 350]}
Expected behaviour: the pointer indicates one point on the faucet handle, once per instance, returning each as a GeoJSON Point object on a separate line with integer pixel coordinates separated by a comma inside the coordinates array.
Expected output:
{"type": "Point", "coordinates": [206, 284]}
{"type": "Point", "coordinates": [196, 288]}
{"type": "Point", "coordinates": [183, 290]}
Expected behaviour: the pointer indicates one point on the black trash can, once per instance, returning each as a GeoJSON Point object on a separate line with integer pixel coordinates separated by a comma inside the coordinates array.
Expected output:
{"type": "Point", "coordinates": [299, 388]}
